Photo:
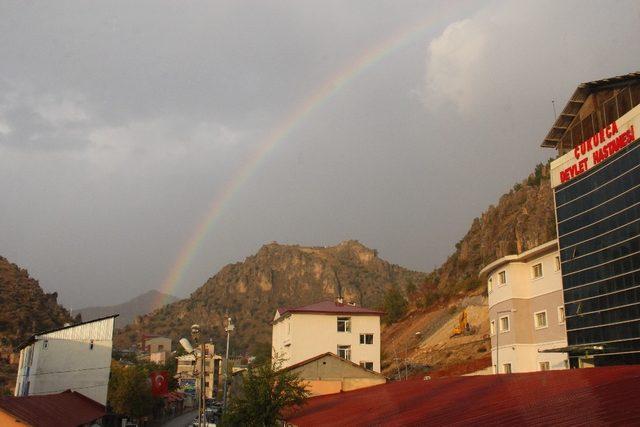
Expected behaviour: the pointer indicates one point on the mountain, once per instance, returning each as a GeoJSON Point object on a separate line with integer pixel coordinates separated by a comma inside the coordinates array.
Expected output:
{"type": "Point", "coordinates": [128, 311]}
{"type": "Point", "coordinates": [522, 219]}
{"type": "Point", "coordinates": [277, 275]}
{"type": "Point", "coordinates": [24, 307]}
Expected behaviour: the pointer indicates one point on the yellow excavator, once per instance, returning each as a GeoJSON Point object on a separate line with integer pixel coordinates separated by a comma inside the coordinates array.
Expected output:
{"type": "Point", "coordinates": [463, 326]}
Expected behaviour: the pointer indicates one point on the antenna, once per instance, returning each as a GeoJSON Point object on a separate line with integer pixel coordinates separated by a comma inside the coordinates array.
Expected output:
{"type": "Point", "coordinates": [555, 116]}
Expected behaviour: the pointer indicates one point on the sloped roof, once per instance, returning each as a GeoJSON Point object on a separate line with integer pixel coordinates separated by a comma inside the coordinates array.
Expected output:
{"type": "Point", "coordinates": [596, 396]}
{"type": "Point", "coordinates": [330, 307]}
{"type": "Point", "coordinates": [66, 409]}
{"type": "Point", "coordinates": [576, 101]}
{"type": "Point", "coordinates": [329, 354]}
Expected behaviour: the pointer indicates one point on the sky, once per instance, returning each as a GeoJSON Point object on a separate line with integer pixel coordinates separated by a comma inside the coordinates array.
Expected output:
{"type": "Point", "coordinates": [121, 123]}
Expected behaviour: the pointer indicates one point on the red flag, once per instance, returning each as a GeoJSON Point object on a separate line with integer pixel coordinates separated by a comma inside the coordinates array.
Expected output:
{"type": "Point", "coordinates": [159, 382]}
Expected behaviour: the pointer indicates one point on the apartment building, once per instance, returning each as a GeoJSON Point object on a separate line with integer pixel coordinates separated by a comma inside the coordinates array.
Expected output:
{"type": "Point", "coordinates": [189, 367]}
{"type": "Point", "coordinates": [344, 329]}
{"type": "Point", "coordinates": [526, 311]}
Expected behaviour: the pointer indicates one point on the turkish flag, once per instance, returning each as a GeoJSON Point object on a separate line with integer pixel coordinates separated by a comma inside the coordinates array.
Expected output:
{"type": "Point", "coordinates": [159, 382]}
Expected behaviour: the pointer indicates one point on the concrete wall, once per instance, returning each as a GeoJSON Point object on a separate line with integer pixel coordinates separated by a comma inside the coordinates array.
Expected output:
{"type": "Point", "coordinates": [299, 337]}
{"type": "Point", "coordinates": [76, 358]}
{"type": "Point", "coordinates": [152, 345]}
{"type": "Point", "coordinates": [329, 374]}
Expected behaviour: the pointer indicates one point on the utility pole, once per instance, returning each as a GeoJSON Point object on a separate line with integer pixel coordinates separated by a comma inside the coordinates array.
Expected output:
{"type": "Point", "coordinates": [228, 329]}
{"type": "Point", "coordinates": [203, 388]}
{"type": "Point", "coordinates": [195, 334]}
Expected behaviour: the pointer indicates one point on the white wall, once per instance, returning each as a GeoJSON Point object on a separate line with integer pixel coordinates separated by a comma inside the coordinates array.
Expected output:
{"type": "Point", "coordinates": [313, 334]}
{"type": "Point", "coordinates": [64, 360]}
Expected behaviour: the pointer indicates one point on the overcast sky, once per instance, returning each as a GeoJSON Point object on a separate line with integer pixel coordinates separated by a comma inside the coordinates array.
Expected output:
{"type": "Point", "coordinates": [120, 122]}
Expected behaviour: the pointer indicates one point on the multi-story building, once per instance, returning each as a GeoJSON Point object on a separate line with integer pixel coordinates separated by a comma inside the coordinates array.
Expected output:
{"type": "Point", "coordinates": [350, 332]}
{"type": "Point", "coordinates": [157, 348]}
{"type": "Point", "coordinates": [596, 183]}
{"type": "Point", "coordinates": [189, 367]}
{"type": "Point", "coordinates": [526, 311]}
{"type": "Point", "coordinates": [75, 357]}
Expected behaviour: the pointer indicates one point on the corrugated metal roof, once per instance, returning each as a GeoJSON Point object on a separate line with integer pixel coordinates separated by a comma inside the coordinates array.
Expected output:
{"type": "Point", "coordinates": [60, 331]}
{"type": "Point", "coordinates": [331, 307]}
{"type": "Point", "coordinates": [66, 409]}
{"type": "Point", "coordinates": [575, 103]}
{"type": "Point", "coordinates": [597, 396]}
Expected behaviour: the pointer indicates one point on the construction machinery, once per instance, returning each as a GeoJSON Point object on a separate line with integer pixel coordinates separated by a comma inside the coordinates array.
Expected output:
{"type": "Point", "coordinates": [463, 327]}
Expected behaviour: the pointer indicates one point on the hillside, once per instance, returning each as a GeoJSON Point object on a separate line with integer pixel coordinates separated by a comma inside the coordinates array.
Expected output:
{"type": "Point", "coordinates": [128, 311]}
{"type": "Point", "coordinates": [277, 275]}
{"type": "Point", "coordinates": [26, 308]}
{"type": "Point", "coordinates": [522, 219]}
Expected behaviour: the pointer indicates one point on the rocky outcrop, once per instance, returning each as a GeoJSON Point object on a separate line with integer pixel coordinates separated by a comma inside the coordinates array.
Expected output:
{"type": "Point", "coordinates": [26, 308]}
{"type": "Point", "coordinates": [277, 275]}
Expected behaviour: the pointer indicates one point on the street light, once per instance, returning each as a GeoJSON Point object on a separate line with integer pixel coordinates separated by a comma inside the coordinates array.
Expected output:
{"type": "Point", "coordinates": [195, 334]}
{"type": "Point", "coordinates": [498, 313]}
{"type": "Point", "coordinates": [228, 330]}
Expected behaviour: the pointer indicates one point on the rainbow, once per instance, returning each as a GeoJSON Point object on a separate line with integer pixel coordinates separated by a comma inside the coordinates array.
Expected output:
{"type": "Point", "coordinates": [279, 133]}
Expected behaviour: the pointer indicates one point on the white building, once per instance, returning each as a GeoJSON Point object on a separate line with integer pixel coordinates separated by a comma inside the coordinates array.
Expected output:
{"type": "Point", "coordinates": [526, 310]}
{"type": "Point", "coordinates": [76, 357]}
{"type": "Point", "coordinates": [351, 332]}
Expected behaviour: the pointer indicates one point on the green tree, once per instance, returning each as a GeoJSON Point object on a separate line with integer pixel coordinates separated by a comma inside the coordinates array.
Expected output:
{"type": "Point", "coordinates": [394, 305]}
{"type": "Point", "coordinates": [130, 391]}
{"type": "Point", "coordinates": [264, 392]}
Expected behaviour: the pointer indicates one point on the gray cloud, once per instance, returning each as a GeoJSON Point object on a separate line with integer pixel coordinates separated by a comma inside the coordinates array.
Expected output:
{"type": "Point", "coordinates": [120, 122]}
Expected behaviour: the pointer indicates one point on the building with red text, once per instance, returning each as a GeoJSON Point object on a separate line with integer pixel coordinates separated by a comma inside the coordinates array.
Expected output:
{"type": "Point", "coordinates": [596, 184]}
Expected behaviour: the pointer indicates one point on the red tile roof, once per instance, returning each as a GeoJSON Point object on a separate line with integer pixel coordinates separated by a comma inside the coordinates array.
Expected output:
{"type": "Point", "coordinates": [597, 396]}
{"type": "Point", "coordinates": [330, 307]}
{"type": "Point", "coordinates": [66, 409]}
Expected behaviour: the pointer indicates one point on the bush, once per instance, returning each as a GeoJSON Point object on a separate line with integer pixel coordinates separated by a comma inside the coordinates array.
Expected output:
{"type": "Point", "coordinates": [394, 305]}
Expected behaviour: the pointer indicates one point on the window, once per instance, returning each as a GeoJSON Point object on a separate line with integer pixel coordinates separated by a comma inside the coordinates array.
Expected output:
{"type": "Point", "coordinates": [367, 365]}
{"type": "Point", "coordinates": [490, 284]}
{"type": "Point", "coordinates": [160, 347]}
{"type": "Point", "coordinates": [561, 314]}
{"type": "Point", "coordinates": [492, 327]}
{"type": "Point", "coordinates": [366, 338]}
{"type": "Point", "coordinates": [557, 263]}
{"type": "Point", "coordinates": [540, 319]}
{"type": "Point", "coordinates": [45, 343]}
{"type": "Point", "coordinates": [544, 366]}
{"type": "Point", "coordinates": [504, 324]}
{"type": "Point", "coordinates": [344, 324]}
{"type": "Point", "coordinates": [344, 351]}
{"type": "Point", "coordinates": [537, 270]}
{"type": "Point", "coordinates": [506, 368]}
{"type": "Point", "coordinates": [502, 277]}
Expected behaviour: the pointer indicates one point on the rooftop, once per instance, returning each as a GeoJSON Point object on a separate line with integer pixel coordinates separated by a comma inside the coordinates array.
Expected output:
{"type": "Point", "coordinates": [329, 354]}
{"type": "Point", "coordinates": [33, 337]}
{"type": "Point", "coordinates": [66, 409]}
{"type": "Point", "coordinates": [330, 307]}
{"type": "Point", "coordinates": [576, 101]}
{"type": "Point", "coordinates": [595, 396]}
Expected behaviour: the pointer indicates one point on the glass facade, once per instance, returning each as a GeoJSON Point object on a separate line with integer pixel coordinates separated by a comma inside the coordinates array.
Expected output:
{"type": "Point", "coordinates": [598, 218]}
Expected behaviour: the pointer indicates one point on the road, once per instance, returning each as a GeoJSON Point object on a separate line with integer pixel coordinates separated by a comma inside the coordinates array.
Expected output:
{"type": "Point", "coordinates": [182, 420]}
